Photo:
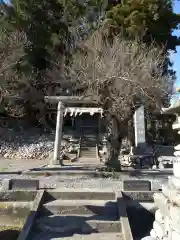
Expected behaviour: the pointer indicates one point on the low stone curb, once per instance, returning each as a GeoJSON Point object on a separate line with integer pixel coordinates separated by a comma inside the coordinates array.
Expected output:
{"type": "Point", "coordinates": [11, 173]}
{"type": "Point", "coordinates": [31, 169]}
{"type": "Point", "coordinates": [144, 196]}
{"type": "Point", "coordinates": [137, 185]}
{"type": "Point", "coordinates": [97, 174]}
{"type": "Point", "coordinates": [62, 172]}
{"type": "Point", "coordinates": [123, 218]}
{"type": "Point", "coordinates": [38, 201]}
{"type": "Point", "coordinates": [20, 184]}
{"type": "Point", "coordinates": [17, 195]}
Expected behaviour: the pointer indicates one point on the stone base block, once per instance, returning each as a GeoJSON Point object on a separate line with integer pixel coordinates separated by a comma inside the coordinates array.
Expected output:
{"type": "Point", "coordinates": [153, 234]}
{"type": "Point", "coordinates": [172, 194]}
{"type": "Point", "coordinates": [176, 167]}
{"type": "Point", "coordinates": [162, 203]}
{"type": "Point", "coordinates": [20, 184]}
{"type": "Point", "coordinates": [159, 217]}
{"type": "Point", "coordinates": [167, 225]}
{"type": "Point", "coordinates": [175, 235]}
{"type": "Point", "coordinates": [166, 190]}
{"type": "Point", "coordinates": [175, 218]}
{"type": "Point", "coordinates": [159, 229]}
{"type": "Point", "coordinates": [5, 184]}
{"type": "Point", "coordinates": [148, 238]}
{"type": "Point", "coordinates": [137, 185]}
{"type": "Point", "coordinates": [174, 182]}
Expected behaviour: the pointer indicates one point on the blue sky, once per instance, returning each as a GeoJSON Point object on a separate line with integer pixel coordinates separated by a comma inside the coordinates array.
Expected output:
{"type": "Point", "coordinates": [175, 57]}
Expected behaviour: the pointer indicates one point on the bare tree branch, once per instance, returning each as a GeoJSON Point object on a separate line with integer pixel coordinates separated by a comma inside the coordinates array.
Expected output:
{"type": "Point", "coordinates": [11, 52]}
{"type": "Point", "coordinates": [122, 73]}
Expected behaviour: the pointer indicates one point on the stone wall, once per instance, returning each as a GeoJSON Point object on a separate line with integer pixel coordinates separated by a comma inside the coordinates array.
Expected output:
{"type": "Point", "coordinates": [167, 218]}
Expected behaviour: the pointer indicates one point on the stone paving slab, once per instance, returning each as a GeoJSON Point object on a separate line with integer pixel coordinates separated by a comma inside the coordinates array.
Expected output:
{"type": "Point", "coordinates": [136, 185]}
{"type": "Point", "coordinates": [18, 184]}
{"type": "Point", "coordinates": [7, 166]}
{"type": "Point", "coordinates": [93, 236]}
{"type": "Point", "coordinates": [12, 165]}
{"type": "Point", "coordinates": [85, 182]}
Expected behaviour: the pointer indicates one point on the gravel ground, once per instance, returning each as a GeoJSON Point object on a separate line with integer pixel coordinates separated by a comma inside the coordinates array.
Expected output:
{"type": "Point", "coordinates": [23, 150]}
{"type": "Point", "coordinates": [27, 144]}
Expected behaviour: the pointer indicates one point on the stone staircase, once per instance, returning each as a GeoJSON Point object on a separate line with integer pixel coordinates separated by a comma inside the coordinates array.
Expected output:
{"type": "Point", "coordinates": [72, 215]}
{"type": "Point", "coordinates": [88, 153]}
{"type": "Point", "coordinates": [88, 147]}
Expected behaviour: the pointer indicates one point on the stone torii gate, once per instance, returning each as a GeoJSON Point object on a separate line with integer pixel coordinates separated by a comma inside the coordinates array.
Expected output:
{"type": "Point", "coordinates": [62, 110]}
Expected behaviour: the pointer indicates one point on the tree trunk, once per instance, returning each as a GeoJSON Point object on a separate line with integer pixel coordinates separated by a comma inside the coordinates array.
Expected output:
{"type": "Point", "coordinates": [115, 141]}
{"type": "Point", "coordinates": [131, 132]}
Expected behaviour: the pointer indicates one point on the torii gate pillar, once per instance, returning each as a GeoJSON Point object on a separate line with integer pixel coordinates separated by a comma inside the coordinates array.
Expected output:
{"type": "Point", "coordinates": [57, 160]}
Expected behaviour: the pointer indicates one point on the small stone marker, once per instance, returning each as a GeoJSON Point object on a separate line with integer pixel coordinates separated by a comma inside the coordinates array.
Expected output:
{"type": "Point", "coordinates": [18, 184]}
{"type": "Point", "coordinates": [5, 184]}
{"type": "Point", "coordinates": [136, 185]}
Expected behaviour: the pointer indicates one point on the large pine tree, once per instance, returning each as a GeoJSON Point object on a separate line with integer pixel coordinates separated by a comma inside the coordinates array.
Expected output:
{"type": "Point", "coordinates": [51, 29]}
{"type": "Point", "coordinates": [151, 20]}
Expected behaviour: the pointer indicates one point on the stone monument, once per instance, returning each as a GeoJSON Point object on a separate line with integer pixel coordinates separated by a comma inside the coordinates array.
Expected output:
{"type": "Point", "coordinates": [139, 127]}
{"type": "Point", "coordinates": [167, 218]}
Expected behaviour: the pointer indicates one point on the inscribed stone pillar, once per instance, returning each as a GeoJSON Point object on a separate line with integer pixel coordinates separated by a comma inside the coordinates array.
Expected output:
{"type": "Point", "coordinates": [139, 127]}
{"type": "Point", "coordinates": [57, 144]}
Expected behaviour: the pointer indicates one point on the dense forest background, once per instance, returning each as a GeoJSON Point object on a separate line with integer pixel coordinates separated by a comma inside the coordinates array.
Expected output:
{"type": "Point", "coordinates": [40, 44]}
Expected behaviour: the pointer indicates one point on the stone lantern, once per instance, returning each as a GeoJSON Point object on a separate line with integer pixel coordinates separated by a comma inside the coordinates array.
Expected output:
{"type": "Point", "coordinates": [104, 149]}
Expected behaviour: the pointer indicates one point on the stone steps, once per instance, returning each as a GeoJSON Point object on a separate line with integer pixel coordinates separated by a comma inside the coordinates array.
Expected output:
{"type": "Point", "coordinates": [86, 155]}
{"type": "Point", "coordinates": [88, 147]}
{"type": "Point", "coordinates": [78, 224]}
{"type": "Point", "coordinates": [91, 214]}
{"type": "Point", "coordinates": [101, 207]}
{"type": "Point", "coordinates": [82, 193]}
{"type": "Point", "coordinates": [89, 152]}
{"type": "Point", "coordinates": [88, 143]}
{"type": "Point", "coordinates": [92, 236]}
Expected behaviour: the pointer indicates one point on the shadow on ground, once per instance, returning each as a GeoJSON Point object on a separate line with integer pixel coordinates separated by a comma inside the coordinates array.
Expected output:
{"type": "Point", "coordinates": [9, 234]}
{"type": "Point", "coordinates": [141, 221]}
{"type": "Point", "coordinates": [58, 226]}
